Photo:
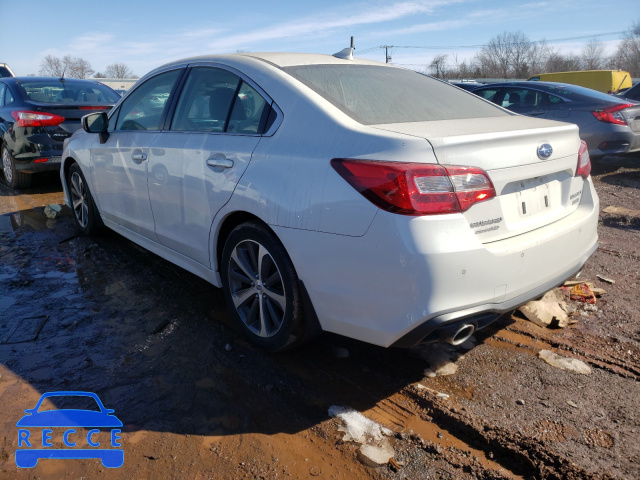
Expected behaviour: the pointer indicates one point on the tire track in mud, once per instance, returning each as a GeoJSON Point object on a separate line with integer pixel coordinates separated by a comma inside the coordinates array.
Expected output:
{"type": "Point", "coordinates": [620, 359]}
{"type": "Point", "coordinates": [522, 455]}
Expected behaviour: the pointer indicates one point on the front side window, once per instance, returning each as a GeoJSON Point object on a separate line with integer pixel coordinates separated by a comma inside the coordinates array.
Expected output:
{"type": "Point", "coordinates": [144, 108]}
{"type": "Point", "coordinates": [215, 100]}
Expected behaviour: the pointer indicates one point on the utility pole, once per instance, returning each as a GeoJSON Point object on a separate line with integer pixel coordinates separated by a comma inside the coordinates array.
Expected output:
{"type": "Point", "coordinates": [386, 53]}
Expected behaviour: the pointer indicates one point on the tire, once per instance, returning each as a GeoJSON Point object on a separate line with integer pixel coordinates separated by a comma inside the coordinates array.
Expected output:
{"type": "Point", "coordinates": [12, 177]}
{"type": "Point", "coordinates": [84, 209]}
{"type": "Point", "coordinates": [261, 288]}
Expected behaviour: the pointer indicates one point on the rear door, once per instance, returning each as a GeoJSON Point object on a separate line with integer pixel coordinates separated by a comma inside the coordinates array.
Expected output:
{"type": "Point", "coordinates": [194, 166]}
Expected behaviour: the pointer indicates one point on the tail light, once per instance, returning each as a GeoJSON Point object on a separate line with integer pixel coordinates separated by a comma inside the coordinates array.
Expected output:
{"type": "Point", "coordinates": [25, 118]}
{"type": "Point", "coordinates": [416, 188]}
{"type": "Point", "coordinates": [612, 114]}
{"type": "Point", "coordinates": [584, 161]}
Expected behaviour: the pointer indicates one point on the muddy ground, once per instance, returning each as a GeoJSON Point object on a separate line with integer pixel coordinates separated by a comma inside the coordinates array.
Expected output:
{"type": "Point", "coordinates": [154, 342]}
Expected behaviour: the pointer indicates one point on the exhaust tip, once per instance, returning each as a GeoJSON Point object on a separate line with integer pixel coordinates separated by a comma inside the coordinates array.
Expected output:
{"type": "Point", "coordinates": [462, 334]}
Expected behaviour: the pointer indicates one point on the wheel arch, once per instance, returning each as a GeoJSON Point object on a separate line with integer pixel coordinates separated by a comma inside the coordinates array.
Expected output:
{"type": "Point", "coordinates": [313, 325]}
{"type": "Point", "coordinates": [227, 225]}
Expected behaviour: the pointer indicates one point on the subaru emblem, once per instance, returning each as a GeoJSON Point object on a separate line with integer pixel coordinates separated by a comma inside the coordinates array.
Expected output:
{"type": "Point", "coordinates": [544, 151]}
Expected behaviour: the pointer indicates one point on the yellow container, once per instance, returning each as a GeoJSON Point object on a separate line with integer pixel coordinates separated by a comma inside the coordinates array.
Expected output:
{"type": "Point", "coordinates": [607, 81]}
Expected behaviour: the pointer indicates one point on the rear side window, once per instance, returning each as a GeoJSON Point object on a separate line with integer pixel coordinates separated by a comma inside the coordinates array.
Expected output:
{"type": "Point", "coordinates": [144, 108]}
{"type": "Point", "coordinates": [373, 94]}
{"type": "Point", "coordinates": [215, 100]}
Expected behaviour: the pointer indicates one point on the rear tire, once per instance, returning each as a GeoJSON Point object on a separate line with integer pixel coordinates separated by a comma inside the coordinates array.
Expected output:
{"type": "Point", "coordinates": [12, 177]}
{"type": "Point", "coordinates": [85, 212]}
{"type": "Point", "coordinates": [261, 288]}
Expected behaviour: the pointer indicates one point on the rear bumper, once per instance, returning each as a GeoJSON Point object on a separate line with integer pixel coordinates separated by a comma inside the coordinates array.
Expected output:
{"type": "Point", "coordinates": [408, 276]}
{"type": "Point", "coordinates": [610, 139]}
{"type": "Point", "coordinates": [28, 165]}
{"type": "Point", "coordinates": [481, 316]}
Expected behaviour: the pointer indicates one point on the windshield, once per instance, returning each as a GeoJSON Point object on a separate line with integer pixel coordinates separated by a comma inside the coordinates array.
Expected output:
{"type": "Point", "coordinates": [373, 94]}
{"type": "Point", "coordinates": [67, 91]}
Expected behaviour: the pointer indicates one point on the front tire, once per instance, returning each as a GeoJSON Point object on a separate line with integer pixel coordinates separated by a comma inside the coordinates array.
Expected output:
{"type": "Point", "coordinates": [261, 288]}
{"type": "Point", "coordinates": [84, 209]}
{"type": "Point", "coordinates": [12, 177]}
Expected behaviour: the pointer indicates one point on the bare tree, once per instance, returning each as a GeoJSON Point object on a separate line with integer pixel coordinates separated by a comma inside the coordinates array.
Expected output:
{"type": "Point", "coordinates": [69, 66]}
{"type": "Point", "coordinates": [77, 67]}
{"type": "Point", "coordinates": [562, 63]}
{"type": "Point", "coordinates": [438, 65]}
{"type": "Point", "coordinates": [592, 55]}
{"type": "Point", "coordinates": [51, 67]}
{"type": "Point", "coordinates": [538, 55]}
{"type": "Point", "coordinates": [627, 56]}
{"type": "Point", "coordinates": [494, 58]}
{"type": "Point", "coordinates": [119, 70]}
{"type": "Point", "coordinates": [520, 54]}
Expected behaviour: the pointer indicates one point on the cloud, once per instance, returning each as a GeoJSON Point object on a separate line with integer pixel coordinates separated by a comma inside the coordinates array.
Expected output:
{"type": "Point", "coordinates": [347, 17]}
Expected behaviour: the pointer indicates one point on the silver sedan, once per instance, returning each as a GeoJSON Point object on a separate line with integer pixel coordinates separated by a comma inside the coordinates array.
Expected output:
{"type": "Point", "coordinates": [609, 125]}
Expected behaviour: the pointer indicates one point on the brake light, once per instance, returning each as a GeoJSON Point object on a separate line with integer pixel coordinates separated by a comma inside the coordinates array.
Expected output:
{"type": "Point", "coordinates": [612, 114]}
{"type": "Point", "coordinates": [25, 118]}
{"type": "Point", "coordinates": [584, 161]}
{"type": "Point", "coordinates": [416, 188]}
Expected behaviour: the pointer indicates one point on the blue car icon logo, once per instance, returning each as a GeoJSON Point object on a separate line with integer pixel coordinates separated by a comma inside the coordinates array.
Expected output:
{"type": "Point", "coordinates": [30, 437]}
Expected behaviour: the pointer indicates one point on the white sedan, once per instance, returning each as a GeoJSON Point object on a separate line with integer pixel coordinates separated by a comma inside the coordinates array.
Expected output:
{"type": "Point", "coordinates": [336, 194]}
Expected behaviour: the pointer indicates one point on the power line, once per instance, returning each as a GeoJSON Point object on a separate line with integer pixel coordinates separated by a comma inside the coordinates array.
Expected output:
{"type": "Point", "coordinates": [442, 47]}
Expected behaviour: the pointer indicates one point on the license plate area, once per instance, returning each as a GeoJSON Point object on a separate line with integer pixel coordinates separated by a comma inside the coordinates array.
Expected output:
{"type": "Point", "coordinates": [533, 197]}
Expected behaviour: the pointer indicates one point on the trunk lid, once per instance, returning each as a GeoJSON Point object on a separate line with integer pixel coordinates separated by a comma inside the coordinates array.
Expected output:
{"type": "Point", "coordinates": [72, 114]}
{"type": "Point", "coordinates": [531, 192]}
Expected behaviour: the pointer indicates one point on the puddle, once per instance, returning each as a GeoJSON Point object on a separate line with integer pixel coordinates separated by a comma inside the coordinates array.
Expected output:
{"type": "Point", "coordinates": [20, 203]}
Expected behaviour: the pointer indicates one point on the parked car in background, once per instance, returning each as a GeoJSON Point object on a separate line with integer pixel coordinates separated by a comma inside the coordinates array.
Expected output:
{"type": "Point", "coordinates": [609, 125]}
{"type": "Point", "coordinates": [335, 194]}
{"type": "Point", "coordinates": [466, 85]}
{"type": "Point", "coordinates": [5, 71]}
{"type": "Point", "coordinates": [632, 93]}
{"type": "Point", "coordinates": [36, 115]}
{"type": "Point", "coordinates": [605, 81]}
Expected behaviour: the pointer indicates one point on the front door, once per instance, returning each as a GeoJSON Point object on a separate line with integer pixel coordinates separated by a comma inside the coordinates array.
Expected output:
{"type": "Point", "coordinates": [120, 165]}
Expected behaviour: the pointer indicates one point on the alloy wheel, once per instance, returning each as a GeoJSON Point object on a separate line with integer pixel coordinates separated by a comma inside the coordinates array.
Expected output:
{"type": "Point", "coordinates": [6, 165]}
{"type": "Point", "coordinates": [79, 199]}
{"type": "Point", "coordinates": [257, 288]}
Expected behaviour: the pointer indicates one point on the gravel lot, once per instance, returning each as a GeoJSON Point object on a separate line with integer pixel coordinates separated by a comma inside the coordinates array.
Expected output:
{"type": "Point", "coordinates": [154, 342]}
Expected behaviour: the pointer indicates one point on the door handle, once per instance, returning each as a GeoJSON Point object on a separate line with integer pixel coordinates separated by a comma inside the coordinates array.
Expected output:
{"type": "Point", "coordinates": [139, 157]}
{"type": "Point", "coordinates": [220, 162]}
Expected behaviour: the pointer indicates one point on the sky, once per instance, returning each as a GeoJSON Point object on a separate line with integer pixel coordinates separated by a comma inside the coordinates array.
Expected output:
{"type": "Point", "coordinates": [145, 34]}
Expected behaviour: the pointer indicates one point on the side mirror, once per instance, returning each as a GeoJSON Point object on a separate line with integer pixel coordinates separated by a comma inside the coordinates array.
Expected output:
{"type": "Point", "coordinates": [96, 123]}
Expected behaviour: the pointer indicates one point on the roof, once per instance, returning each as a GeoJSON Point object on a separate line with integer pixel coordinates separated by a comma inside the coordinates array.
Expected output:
{"type": "Point", "coordinates": [278, 59]}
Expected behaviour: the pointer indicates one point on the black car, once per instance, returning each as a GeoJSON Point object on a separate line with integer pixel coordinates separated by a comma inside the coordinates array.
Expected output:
{"type": "Point", "coordinates": [37, 114]}
{"type": "Point", "coordinates": [467, 85]}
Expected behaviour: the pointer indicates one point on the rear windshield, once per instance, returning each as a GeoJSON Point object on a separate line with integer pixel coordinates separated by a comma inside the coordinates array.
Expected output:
{"type": "Point", "coordinates": [67, 91]}
{"type": "Point", "coordinates": [4, 72]}
{"type": "Point", "coordinates": [375, 94]}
